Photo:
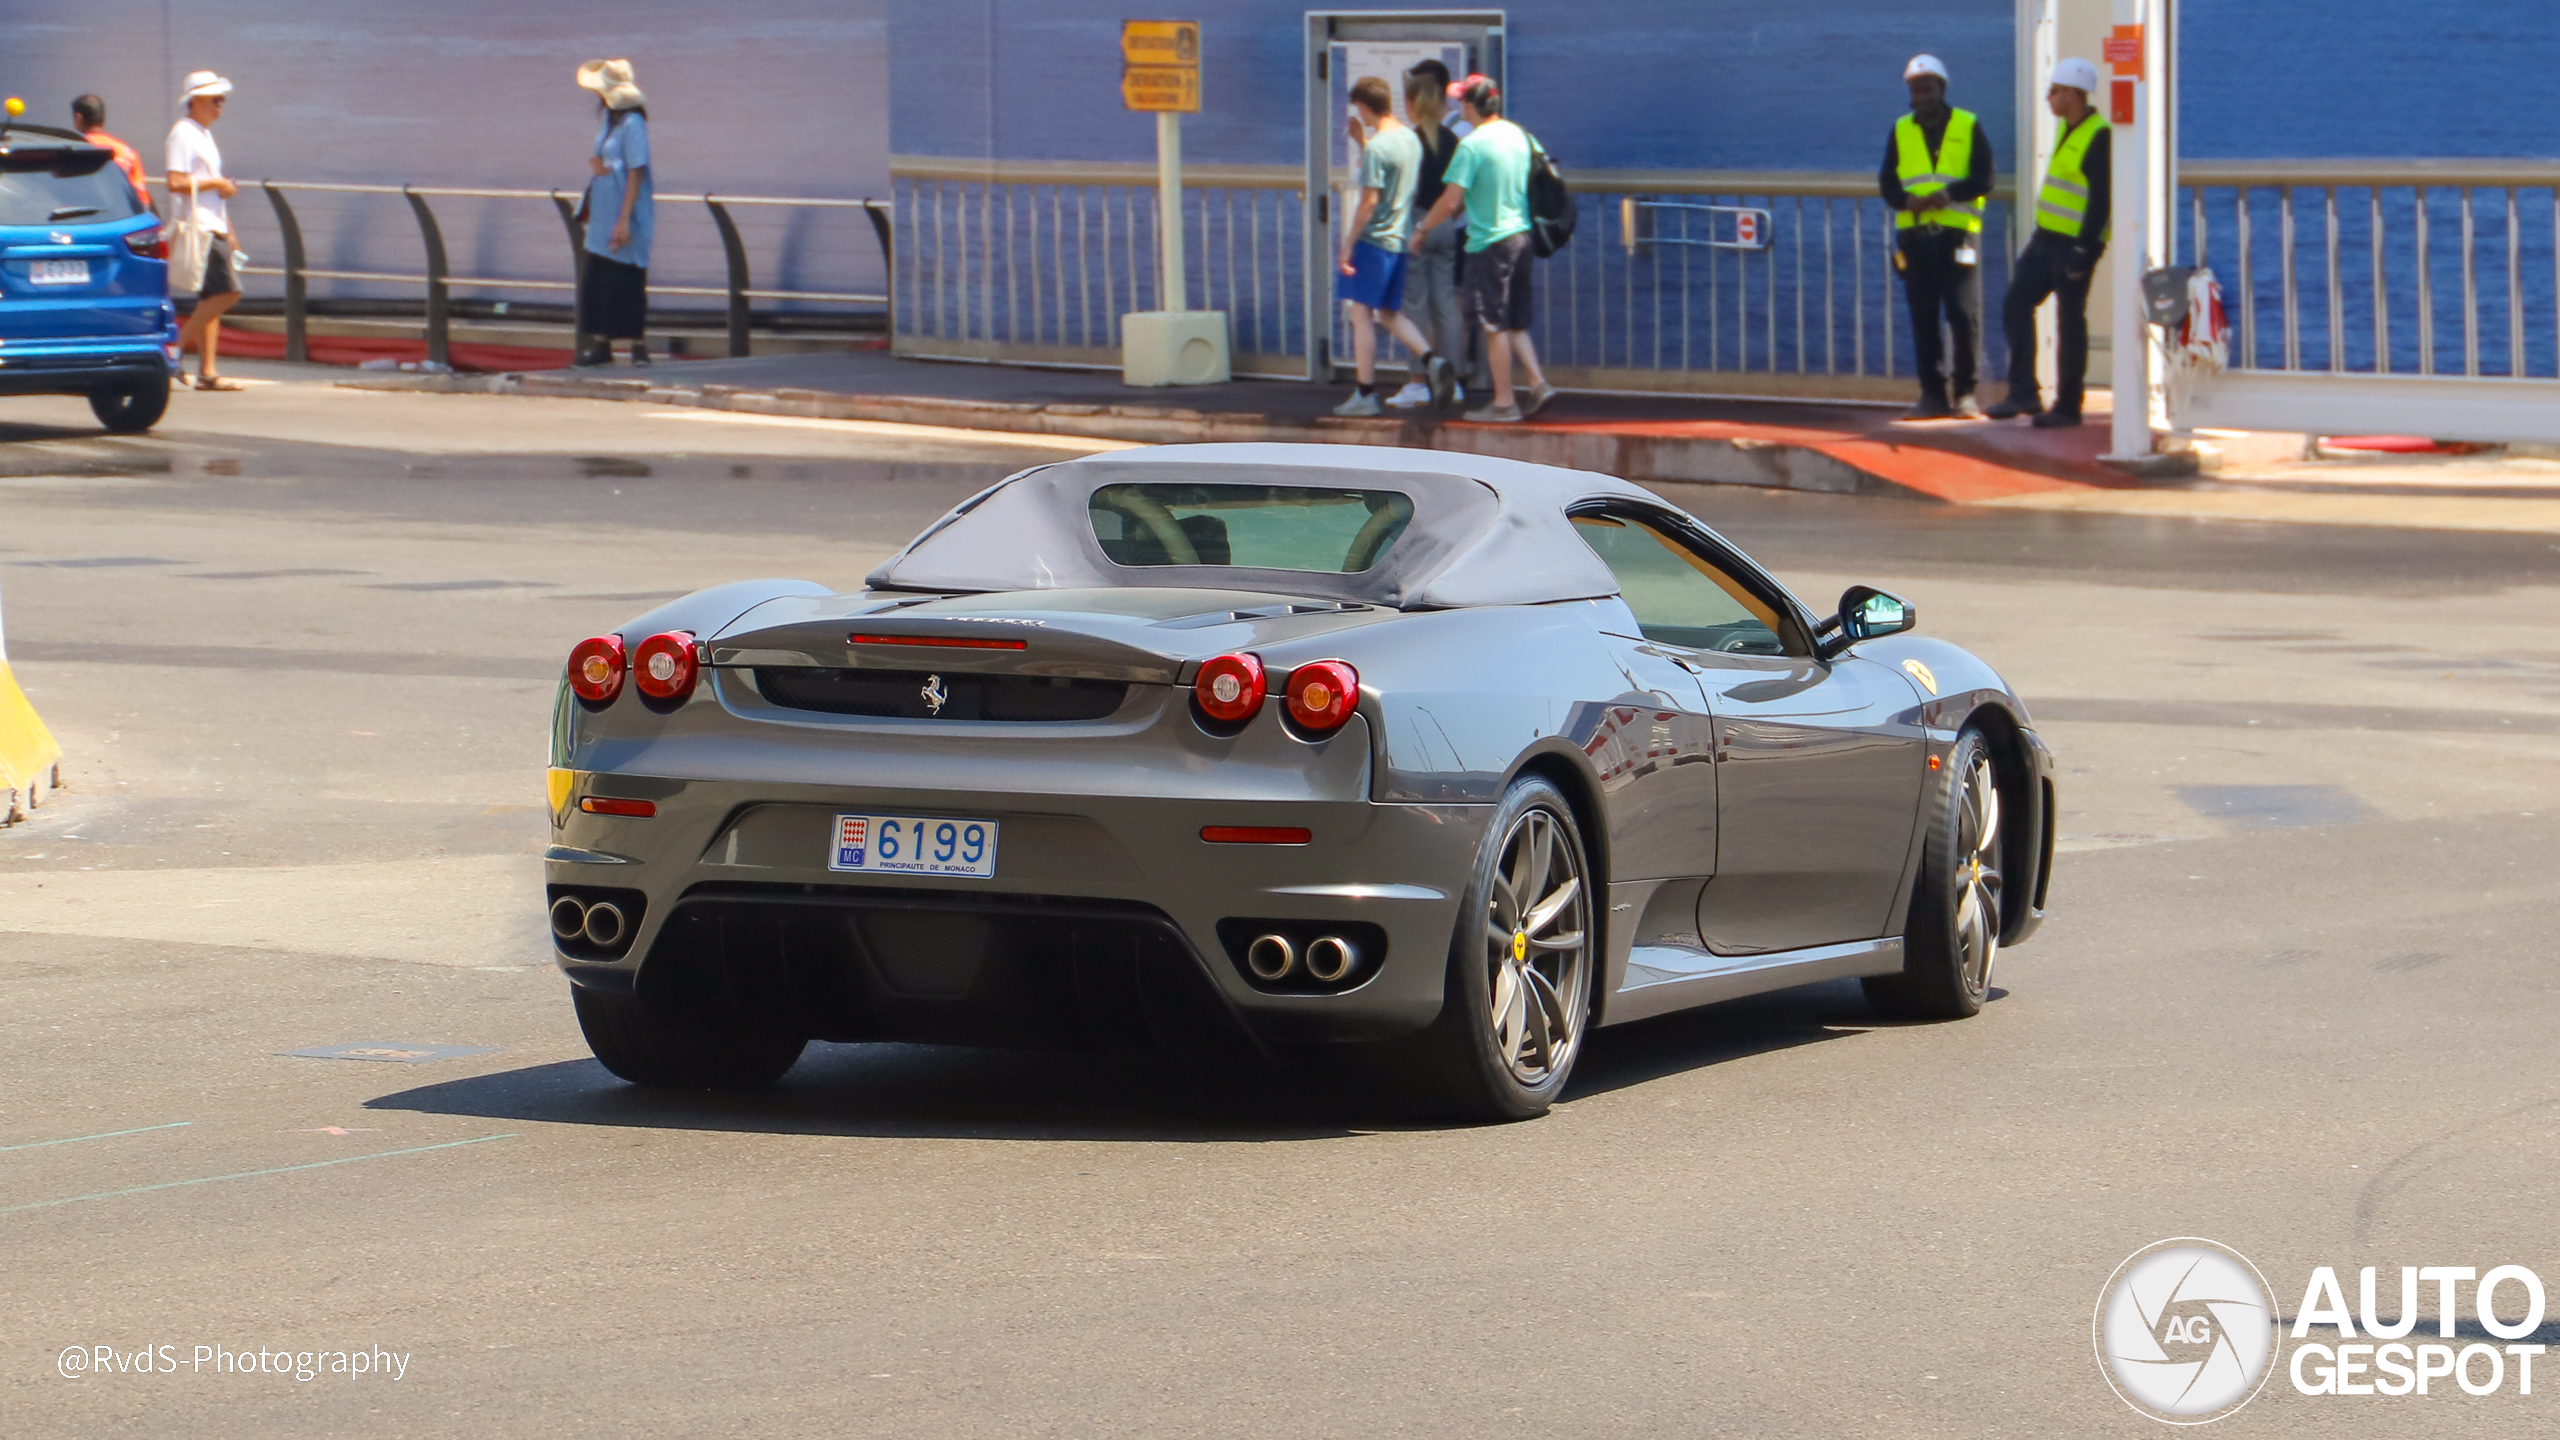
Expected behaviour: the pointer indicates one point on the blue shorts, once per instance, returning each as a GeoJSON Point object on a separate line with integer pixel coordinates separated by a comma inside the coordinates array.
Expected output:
{"type": "Point", "coordinates": [1376, 279]}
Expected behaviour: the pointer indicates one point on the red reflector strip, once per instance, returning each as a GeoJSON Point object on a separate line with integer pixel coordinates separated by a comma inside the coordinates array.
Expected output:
{"type": "Point", "coordinates": [1255, 835]}
{"type": "Point", "coordinates": [943, 642]}
{"type": "Point", "coordinates": [607, 805]}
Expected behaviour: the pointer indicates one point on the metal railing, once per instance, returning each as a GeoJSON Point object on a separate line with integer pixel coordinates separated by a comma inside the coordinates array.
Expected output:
{"type": "Point", "coordinates": [439, 281]}
{"type": "Point", "coordinates": [1037, 263]}
{"type": "Point", "coordinates": [2382, 267]}
{"type": "Point", "coordinates": [1668, 294]}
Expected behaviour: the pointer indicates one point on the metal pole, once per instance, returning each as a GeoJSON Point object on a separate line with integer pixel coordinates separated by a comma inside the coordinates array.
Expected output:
{"type": "Point", "coordinates": [736, 251]}
{"type": "Point", "coordinates": [2130, 434]}
{"type": "Point", "coordinates": [439, 324]}
{"type": "Point", "coordinates": [879, 213]}
{"type": "Point", "coordinates": [297, 345]}
{"type": "Point", "coordinates": [1173, 292]}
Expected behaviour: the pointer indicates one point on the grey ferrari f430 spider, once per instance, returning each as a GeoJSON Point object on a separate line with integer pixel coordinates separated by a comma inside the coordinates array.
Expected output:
{"type": "Point", "coordinates": [1274, 748]}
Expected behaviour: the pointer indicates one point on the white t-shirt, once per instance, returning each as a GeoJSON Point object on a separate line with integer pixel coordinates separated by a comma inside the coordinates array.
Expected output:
{"type": "Point", "coordinates": [192, 152]}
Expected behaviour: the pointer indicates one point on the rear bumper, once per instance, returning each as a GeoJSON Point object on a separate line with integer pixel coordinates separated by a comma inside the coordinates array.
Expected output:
{"type": "Point", "coordinates": [69, 368]}
{"type": "Point", "coordinates": [1108, 916]}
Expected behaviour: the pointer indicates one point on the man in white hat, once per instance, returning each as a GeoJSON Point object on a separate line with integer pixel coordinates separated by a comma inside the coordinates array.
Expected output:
{"type": "Point", "coordinates": [1936, 175]}
{"type": "Point", "coordinates": [2071, 233]}
{"type": "Point", "coordinates": [199, 195]}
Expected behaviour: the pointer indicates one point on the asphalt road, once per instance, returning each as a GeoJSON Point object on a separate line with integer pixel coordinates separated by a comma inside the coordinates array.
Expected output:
{"type": "Point", "coordinates": [2297, 995]}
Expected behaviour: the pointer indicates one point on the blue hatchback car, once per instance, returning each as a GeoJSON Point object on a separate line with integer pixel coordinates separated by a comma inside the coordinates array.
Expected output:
{"type": "Point", "coordinates": [84, 281]}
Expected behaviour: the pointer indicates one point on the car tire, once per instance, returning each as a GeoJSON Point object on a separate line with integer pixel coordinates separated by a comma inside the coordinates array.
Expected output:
{"type": "Point", "coordinates": [648, 1050]}
{"type": "Point", "coordinates": [131, 409]}
{"type": "Point", "coordinates": [1517, 1009]}
{"type": "Point", "coordinates": [1953, 936]}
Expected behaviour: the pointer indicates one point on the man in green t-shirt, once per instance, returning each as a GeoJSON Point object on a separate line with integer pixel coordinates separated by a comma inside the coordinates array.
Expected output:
{"type": "Point", "coordinates": [1373, 246]}
{"type": "Point", "coordinates": [1490, 176]}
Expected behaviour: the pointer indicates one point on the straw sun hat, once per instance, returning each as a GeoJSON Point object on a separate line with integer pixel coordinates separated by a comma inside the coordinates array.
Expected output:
{"type": "Point", "coordinates": [612, 80]}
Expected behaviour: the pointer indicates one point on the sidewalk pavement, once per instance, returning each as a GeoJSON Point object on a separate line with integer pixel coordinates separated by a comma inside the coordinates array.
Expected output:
{"type": "Point", "coordinates": [1832, 448]}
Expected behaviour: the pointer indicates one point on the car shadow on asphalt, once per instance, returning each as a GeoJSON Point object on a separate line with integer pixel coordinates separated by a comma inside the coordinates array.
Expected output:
{"type": "Point", "coordinates": [926, 1091]}
{"type": "Point", "coordinates": [1646, 1050]}
{"type": "Point", "coordinates": [955, 1092]}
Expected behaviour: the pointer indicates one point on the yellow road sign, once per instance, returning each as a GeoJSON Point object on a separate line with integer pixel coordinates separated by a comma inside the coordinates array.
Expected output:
{"type": "Point", "coordinates": [1160, 42]}
{"type": "Point", "coordinates": [1161, 87]}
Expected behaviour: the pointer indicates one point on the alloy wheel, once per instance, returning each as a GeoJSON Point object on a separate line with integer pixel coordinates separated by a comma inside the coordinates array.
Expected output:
{"type": "Point", "coordinates": [1977, 879]}
{"type": "Point", "coordinates": [1538, 949]}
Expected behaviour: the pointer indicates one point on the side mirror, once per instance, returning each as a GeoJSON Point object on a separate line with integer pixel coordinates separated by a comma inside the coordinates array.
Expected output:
{"type": "Point", "coordinates": [1865, 614]}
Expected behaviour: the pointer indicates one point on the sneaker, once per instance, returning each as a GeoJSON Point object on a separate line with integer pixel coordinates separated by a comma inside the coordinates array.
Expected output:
{"type": "Point", "coordinates": [2057, 420]}
{"type": "Point", "coordinates": [1362, 402]}
{"type": "Point", "coordinates": [1414, 393]}
{"type": "Point", "coordinates": [1966, 409]}
{"type": "Point", "coordinates": [1538, 398]}
{"type": "Point", "coordinates": [2013, 407]}
{"type": "Point", "coordinates": [1495, 415]}
{"type": "Point", "coordinates": [1443, 375]}
{"type": "Point", "coordinates": [1929, 408]}
{"type": "Point", "coordinates": [639, 353]}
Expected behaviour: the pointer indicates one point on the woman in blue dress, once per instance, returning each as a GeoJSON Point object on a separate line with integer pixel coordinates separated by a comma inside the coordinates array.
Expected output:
{"type": "Point", "coordinates": [613, 284]}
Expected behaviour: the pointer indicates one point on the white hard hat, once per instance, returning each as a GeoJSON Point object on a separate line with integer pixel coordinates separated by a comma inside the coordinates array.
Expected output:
{"type": "Point", "coordinates": [2078, 74]}
{"type": "Point", "coordinates": [1924, 65]}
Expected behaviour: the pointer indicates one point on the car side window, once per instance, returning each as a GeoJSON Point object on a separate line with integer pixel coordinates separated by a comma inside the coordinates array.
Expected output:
{"type": "Point", "coordinates": [1679, 596]}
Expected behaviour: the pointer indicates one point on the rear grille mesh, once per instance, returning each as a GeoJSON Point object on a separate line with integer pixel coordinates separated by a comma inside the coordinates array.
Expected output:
{"type": "Point", "coordinates": [901, 694]}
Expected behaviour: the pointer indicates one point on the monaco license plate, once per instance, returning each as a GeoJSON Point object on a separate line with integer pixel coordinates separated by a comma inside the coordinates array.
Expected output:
{"type": "Point", "coordinates": [59, 272]}
{"type": "Point", "coordinates": [913, 845]}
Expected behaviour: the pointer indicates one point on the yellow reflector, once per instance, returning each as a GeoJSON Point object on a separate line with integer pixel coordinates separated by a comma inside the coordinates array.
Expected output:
{"type": "Point", "coordinates": [562, 782]}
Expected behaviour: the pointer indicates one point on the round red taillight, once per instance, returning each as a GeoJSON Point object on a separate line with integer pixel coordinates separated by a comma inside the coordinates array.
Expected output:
{"type": "Point", "coordinates": [1322, 694]}
{"type": "Point", "coordinates": [665, 665]}
{"type": "Point", "coordinates": [1230, 688]}
{"type": "Point", "coordinates": [595, 669]}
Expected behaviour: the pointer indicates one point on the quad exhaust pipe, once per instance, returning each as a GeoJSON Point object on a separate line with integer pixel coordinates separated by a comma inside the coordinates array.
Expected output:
{"type": "Point", "coordinates": [1329, 959]}
{"type": "Point", "coordinates": [601, 924]}
{"type": "Point", "coordinates": [1271, 957]}
{"type": "Point", "coordinates": [604, 925]}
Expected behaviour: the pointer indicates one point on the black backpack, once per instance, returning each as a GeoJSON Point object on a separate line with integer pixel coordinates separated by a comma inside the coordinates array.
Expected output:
{"type": "Point", "coordinates": [1551, 208]}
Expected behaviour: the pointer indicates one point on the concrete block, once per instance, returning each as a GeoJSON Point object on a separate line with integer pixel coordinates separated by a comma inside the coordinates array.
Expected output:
{"type": "Point", "coordinates": [1174, 347]}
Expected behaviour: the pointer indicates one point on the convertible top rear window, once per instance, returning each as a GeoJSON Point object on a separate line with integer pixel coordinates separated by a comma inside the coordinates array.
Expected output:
{"type": "Point", "coordinates": [1262, 527]}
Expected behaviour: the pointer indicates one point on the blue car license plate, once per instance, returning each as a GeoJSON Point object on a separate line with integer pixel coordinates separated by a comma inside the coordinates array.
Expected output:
{"type": "Point", "coordinates": [913, 845]}
{"type": "Point", "coordinates": [58, 272]}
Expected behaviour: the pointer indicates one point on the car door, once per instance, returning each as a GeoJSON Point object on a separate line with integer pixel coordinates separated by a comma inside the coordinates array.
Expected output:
{"type": "Point", "coordinates": [1654, 751]}
{"type": "Point", "coordinates": [1818, 763]}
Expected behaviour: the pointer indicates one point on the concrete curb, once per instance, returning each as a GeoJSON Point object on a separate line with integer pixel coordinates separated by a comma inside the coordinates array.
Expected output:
{"type": "Point", "coordinates": [1678, 453]}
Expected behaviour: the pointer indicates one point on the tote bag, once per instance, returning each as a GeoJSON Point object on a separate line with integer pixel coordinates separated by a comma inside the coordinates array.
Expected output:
{"type": "Point", "coordinates": [189, 249]}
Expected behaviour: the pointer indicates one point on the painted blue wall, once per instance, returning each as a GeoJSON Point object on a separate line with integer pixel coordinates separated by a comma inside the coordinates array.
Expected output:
{"type": "Point", "coordinates": [2319, 78]}
{"type": "Point", "coordinates": [1634, 84]}
{"type": "Point", "coordinates": [764, 97]}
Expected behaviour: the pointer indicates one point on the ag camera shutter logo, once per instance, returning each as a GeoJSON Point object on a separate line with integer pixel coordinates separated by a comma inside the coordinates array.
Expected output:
{"type": "Point", "coordinates": [2184, 1331]}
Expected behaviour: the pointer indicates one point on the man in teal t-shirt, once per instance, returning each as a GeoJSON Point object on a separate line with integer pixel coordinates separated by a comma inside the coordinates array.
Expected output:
{"type": "Point", "coordinates": [1490, 175]}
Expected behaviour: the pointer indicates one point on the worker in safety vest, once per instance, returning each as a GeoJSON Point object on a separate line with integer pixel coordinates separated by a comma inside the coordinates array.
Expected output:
{"type": "Point", "coordinates": [2070, 235]}
{"type": "Point", "coordinates": [1937, 172]}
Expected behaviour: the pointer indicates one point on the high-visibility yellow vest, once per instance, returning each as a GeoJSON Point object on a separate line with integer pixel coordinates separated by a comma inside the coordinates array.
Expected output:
{"type": "Point", "coordinates": [1921, 175]}
{"type": "Point", "coordinates": [2064, 201]}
